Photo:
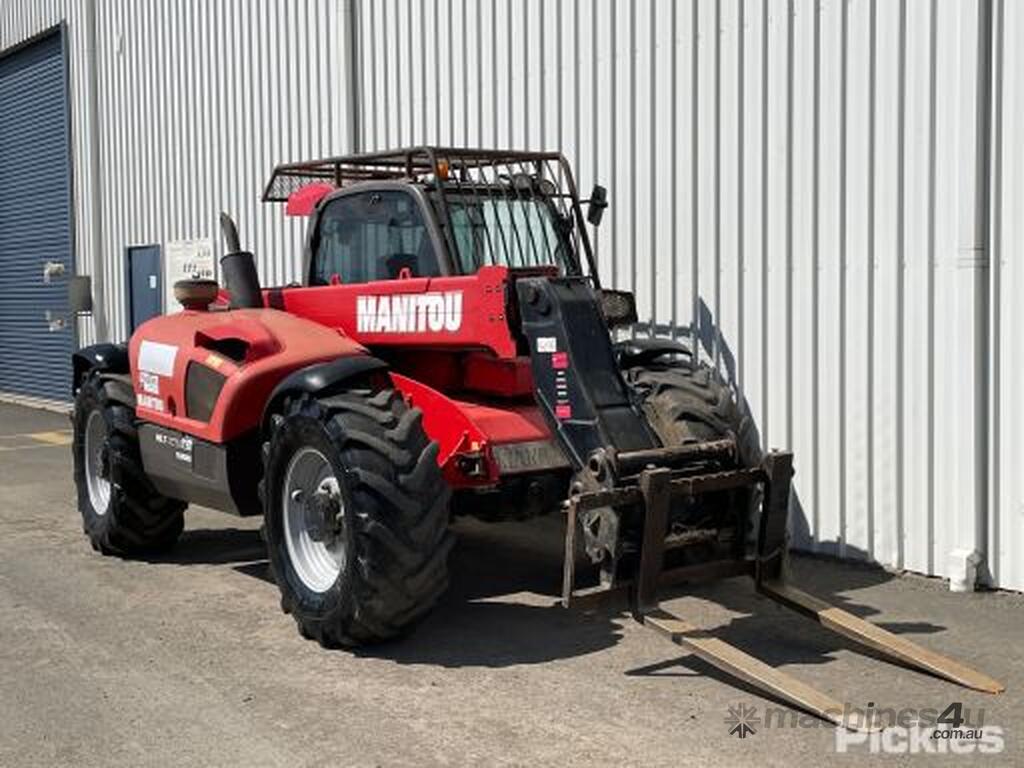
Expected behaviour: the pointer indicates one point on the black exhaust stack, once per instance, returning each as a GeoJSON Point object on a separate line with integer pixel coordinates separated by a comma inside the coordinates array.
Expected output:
{"type": "Point", "coordinates": [239, 269]}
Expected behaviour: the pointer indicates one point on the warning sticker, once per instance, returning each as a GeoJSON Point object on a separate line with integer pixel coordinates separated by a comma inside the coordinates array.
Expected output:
{"type": "Point", "coordinates": [547, 344]}
{"type": "Point", "coordinates": [150, 402]}
{"type": "Point", "coordinates": [149, 382]}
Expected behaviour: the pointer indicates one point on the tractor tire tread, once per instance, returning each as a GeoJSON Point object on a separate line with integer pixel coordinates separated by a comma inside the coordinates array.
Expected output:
{"type": "Point", "coordinates": [139, 520]}
{"type": "Point", "coordinates": [692, 403]}
{"type": "Point", "coordinates": [398, 510]}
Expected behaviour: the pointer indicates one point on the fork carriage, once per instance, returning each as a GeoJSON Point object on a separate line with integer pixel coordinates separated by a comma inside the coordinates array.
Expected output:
{"type": "Point", "coordinates": [654, 489]}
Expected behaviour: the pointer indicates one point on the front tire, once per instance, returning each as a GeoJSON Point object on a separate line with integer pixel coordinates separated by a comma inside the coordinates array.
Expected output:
{"type": "Point", "coordinates": [356, 516]}
{"type": "Point", "coordinates": [122, 513]}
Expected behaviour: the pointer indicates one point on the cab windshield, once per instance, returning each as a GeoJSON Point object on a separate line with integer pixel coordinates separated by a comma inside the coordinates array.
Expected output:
{"type": "Point", "coordinates": [492, 229]}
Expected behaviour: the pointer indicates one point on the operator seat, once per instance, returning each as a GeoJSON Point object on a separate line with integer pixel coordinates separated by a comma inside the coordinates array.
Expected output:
{"type": "Point", "coordinates": [396, 262]}
{"type": "Point", "coordinates": [420, 264]}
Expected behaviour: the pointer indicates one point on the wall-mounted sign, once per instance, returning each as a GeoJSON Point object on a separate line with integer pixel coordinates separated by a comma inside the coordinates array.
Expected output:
{"type": "Point", "coordinates": [186, 260]}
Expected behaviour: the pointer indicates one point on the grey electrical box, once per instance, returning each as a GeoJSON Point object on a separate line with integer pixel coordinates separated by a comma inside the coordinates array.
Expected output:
{"type": "Point", "coordinates": [80, 294]}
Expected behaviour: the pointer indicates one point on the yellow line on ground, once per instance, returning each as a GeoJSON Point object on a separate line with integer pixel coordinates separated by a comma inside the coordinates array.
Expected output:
{"type": "Point", "coordinates": [53, 438]}
{"type": "Point", "coordinates": [9, 448]}
{"type": "Point", "coordinates": [17, 435]}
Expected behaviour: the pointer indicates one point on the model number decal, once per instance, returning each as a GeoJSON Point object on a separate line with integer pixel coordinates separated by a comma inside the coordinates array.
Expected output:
{"type": "Point", "coordinates": [409, 312]}
{"type": "Point", "coordinates": [182, 446]}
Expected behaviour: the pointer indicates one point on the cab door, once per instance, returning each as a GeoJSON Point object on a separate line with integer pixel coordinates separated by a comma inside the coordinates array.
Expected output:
{"type": "Point", "coordinates": [369, 235]}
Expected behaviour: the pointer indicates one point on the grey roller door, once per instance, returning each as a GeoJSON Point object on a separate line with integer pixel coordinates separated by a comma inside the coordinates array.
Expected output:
{"type": "Point", "coordinates": [35, 219]}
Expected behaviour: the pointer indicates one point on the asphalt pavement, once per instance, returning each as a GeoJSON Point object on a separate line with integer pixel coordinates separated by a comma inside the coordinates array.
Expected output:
{"type": "Point", "coordinates": [187, 660]}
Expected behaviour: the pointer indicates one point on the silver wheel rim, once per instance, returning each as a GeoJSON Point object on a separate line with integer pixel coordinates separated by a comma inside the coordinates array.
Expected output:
{"type": "Point", "coordinates": [317, 563]}
{"type": "Point", "coordinates": [95, 476]}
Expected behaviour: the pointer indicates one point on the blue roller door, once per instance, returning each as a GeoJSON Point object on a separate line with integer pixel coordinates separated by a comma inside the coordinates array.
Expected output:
{"type": "Point", "coordinates": [35, 218]}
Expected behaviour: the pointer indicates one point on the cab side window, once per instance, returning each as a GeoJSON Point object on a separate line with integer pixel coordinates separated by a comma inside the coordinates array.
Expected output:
{"type": "Point", "coordinates": [372, 236]}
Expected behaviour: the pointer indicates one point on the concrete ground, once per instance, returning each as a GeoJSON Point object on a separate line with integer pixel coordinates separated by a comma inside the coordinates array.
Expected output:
{"type": "Point", "coordinates": [188, 660]}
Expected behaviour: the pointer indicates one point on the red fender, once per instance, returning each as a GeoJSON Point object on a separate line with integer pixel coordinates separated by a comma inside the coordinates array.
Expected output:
{"type": "Point", "coordinates": [466, 428]}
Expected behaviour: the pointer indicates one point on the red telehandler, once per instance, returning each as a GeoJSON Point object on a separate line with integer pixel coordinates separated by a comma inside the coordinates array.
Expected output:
{"type": "Point", "coordinates": [450, 350]}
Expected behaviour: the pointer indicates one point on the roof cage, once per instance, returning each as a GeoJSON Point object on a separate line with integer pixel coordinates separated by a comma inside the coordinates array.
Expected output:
{"type": "Point", "coordinates": [413, 163]}
{"type": "Point", "coordinates": [478, 172]}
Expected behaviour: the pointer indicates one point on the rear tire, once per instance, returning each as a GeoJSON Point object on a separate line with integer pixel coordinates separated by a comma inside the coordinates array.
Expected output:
{"type": "Point", "coordinates": [122, 513]}
{"type": "Point", "coordinates": [690, 403]}
{"type": "Point", "coordinates": [376, 562]}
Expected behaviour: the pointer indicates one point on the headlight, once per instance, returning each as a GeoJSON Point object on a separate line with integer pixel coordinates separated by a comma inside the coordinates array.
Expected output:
{"type": "Point", "coordinates": [619, 307]}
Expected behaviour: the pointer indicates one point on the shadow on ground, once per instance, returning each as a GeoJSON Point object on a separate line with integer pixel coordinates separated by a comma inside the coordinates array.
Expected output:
{"type": "Point", "coordinates": [215, 546]}
{"type": "Point", "coordinates": [780, 637]}
{"type": "Point", "coordinates": [501, 610]}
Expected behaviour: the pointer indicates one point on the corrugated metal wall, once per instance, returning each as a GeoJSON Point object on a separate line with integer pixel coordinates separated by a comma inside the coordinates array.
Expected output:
{"type": "Point", "coordinates": [804, 177]}
{"type": "Point", "coordinates": [1006, 528]}
{"type": "Point", "coordinates": [203, 100]}
{"type": "Point", "coordinates": [800, 181]}
{"type": "Point", "coordinates": [35, 217]}
{"type": "Point", "coordinates": [197, 102]}
{"type": "Point", "coordinates": [21, 20]}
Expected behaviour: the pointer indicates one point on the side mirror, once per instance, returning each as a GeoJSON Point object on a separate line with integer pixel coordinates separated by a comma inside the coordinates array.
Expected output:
{"type": "Point", "coordinates": [80, 294]}
{"type": "Point", "coordinates": [596, 204]}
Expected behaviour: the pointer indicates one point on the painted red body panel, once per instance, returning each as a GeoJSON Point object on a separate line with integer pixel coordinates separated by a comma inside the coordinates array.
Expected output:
{"type": "Point", "coordinates": [461, 369]}
{"type": "Point", "coordinates": [471, 426]}
{"type": "Point", "coordinates": [467, 377]}
{"type": "Point", "coordinates": [489, 375]}
{"type": "Point", "coordinates": [279, 343]}
{"type": "Point", "coordinates": [482, 322]}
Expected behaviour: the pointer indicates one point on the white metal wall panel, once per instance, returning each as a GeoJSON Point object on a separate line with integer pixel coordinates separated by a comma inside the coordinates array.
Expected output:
{"type": "Point", "coordinates": [797, 181]}
{"type": "Point", "coordinates": [1006, 501]}
{"type": "Point", "coordinates": [202, 100]}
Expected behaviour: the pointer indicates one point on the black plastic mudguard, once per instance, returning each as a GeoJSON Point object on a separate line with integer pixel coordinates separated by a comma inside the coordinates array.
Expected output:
{"type": "Point", "coordinates": [322, 379]}
{"type": "Point", "coordinates": [105, 357]}
{"type": "Point", "coordinates": [220, 476]}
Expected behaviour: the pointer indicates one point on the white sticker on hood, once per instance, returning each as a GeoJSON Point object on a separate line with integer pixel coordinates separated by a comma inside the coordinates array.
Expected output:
{"type": "Point", "coordinates": [157, 358]}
